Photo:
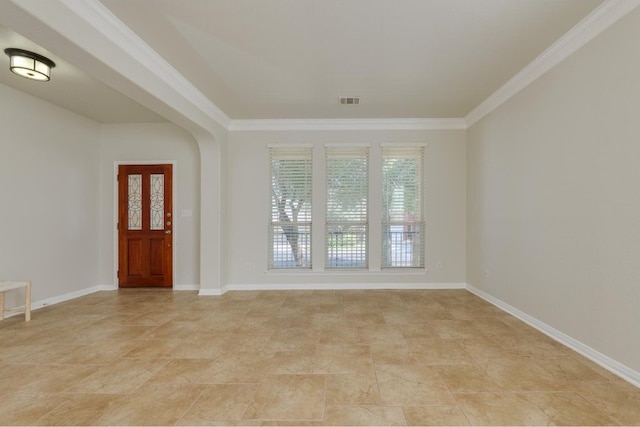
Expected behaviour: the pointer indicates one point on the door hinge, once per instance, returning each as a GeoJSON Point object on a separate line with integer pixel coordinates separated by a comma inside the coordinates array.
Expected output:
{"type": "Point", "coordinates": [118, 274]}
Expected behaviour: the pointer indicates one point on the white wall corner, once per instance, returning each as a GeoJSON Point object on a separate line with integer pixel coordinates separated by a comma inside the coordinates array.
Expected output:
{"type": "Point", "coordinates": [595, 356]}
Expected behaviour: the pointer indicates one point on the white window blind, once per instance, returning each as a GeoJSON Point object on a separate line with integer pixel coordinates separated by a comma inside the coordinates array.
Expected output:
{"type": "Point", "coordinates": [402, 207]}
{"type": "Point", "coordinates": [290, 218]}
{"type": "Point", "coordinates": [346, 235]}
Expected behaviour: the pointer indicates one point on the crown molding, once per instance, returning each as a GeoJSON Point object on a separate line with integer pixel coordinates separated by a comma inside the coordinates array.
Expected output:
{"type": "Point", "coordinates": [347, 124]}
{"type": "Point", "coordinates": [103, 20]}
{"type": "Point", "coordinates": [584, 31]}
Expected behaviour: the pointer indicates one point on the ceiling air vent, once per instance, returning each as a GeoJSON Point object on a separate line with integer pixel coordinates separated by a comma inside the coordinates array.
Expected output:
{"type": "Point", "coordinates": [349, 100]}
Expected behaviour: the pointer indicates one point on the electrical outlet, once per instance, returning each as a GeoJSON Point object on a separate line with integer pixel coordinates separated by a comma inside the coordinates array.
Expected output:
{"type": "Point", "coordinates": [486, 273]}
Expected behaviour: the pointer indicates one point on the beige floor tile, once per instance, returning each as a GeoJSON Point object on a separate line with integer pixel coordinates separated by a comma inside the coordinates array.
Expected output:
{"type": "Point", "coordinates": [99, 353]}
{"type": "Point", "coordinates": [434, 416]}
{"type": "Point", "coordinates": [16, 353]}
{"type": "Point", "coordinates": [154, 318]}
{"type": "Point", "coordinates": [491, 327]}
{"type": "Point", "coordinates": [618, 400]}
{"type": "Point", "coordinates": [502, 409]}
{"type": "Point", "coordinates": [123, 375]}
{"type": "Point", "coordinates": [412, 385]}
{"type": "Point", "coordinates": [80, 410]}
{"type": "Point", "coordinates": [381, 335]}
{"type": "Point", "coordinates": [482, 348]}
{"type": "Point", "coordinates": [374, 320]}
{"type": "Point", "coordinates": [292, 339]}
{"type": "Point", "coordinates": [237, 367]}
{"type": "Point", "coordinates": [151, 405]}
{"type": "Point", "coordinates": [145, 356]}
{"type": "Point", "coordinates": [421, 314]}
{"type": "Point", "coordinates": [568, 409]}
{"type": "Point", "coordinates": [250, 342]}
{"type": "Point", "coordinates": [455, 328]}
{"type": "Point", "coordinates": [467, 379]}
{"type": "Point", "coordinates": [339, 336]}
{"type": "Point", "coordinates": [533, 344]}
{"type": "Point", "coordinates": [343, 360]}
{"type": "Point", "coordinates": [522, 374]}
{"type": "Point", "coordinates": [26, 409]}
{"type": "Point", "coordinates": [225, 423]}
{"type": "Point", "coordinates": [54, 378]}
{"type": "Point", "coordinates": [326, 297]}
{"type": "Point", "coordinates": [221, 402]}
{"type": "Point", "coordinates": [417, 330]}
{"type": "Point", "coordinates": [364, 416]}
{"type": "Point", "coordinates": [439, 351]}
{"type": "Point", "coordinates": [180, 371]}
{"type": "Point", "coordinates": [154, 348]}
{"type": "Point", "coordinates": [293, 362]}
{"type": "Point", "coordinates": [390, 354]}
{"type": "Point", "coordinates": [201, 345]}
{"type": "Point", "coordinates": [568, 369]}
{"type": "Point", "coordinates": [289, 397]}
{"type": "Point", "coordinates": [355, 390]}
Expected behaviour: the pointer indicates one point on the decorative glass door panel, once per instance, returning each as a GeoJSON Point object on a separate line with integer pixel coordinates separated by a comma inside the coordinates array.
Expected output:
{"type": "Point", "coordinates": [145, 226]}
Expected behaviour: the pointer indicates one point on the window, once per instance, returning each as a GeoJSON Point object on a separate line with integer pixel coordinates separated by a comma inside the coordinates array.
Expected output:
{"type": "Point", "coordinates": [346, 234]}
{"type": "Point", "coordinates": [290, 219]}
{"type": "Point", "coordinates": [402, 207]}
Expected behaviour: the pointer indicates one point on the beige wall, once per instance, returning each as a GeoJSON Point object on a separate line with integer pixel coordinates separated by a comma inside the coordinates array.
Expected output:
{"type": "Point", "coordinates": [161, 142]}
{"type": "Point", "coordinates": [554, 199]}
{"type": "Point", "coordinates": [49, 202]}
{"type": "Point", "coordinates": [249, 204]}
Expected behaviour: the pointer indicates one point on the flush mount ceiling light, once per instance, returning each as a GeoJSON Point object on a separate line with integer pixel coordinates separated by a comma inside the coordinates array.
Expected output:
{"type": "Point", "coordinates": [30, 65]}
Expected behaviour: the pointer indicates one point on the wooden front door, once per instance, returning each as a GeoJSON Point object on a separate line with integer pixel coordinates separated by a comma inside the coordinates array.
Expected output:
{"type": "Point", "coordinates": [145, 224]}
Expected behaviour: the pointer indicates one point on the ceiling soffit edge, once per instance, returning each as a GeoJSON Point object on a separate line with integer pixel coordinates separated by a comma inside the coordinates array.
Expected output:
{"type": "Point", "coordinates": [601, 18]}
{"type": "Point", "coordinates": [99, 17]}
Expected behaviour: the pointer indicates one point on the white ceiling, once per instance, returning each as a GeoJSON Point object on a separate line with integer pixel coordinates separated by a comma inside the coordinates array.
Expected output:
{"type": "Point", "coordinates": [292, 59]}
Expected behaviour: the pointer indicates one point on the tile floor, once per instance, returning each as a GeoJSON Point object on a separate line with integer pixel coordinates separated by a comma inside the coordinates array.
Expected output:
{"type": "Point", "coordinates": [149, 357]}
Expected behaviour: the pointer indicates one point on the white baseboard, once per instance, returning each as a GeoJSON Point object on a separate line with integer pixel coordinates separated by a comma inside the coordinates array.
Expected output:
{"type": "Point", "coordinates": [186, 287]}
{"type": "Point", "coordinates": [71, 295]}
{"type": "Point", "coordinates": [329, 287]}
{"type": "Point", "coordinates": [212, 292]}
{"type": "Point", "coordinates": [603, 360]}
{"type": "Point", "coordinates": [175, 287]}
{"type": "Point", "coordinates": [35, 305]}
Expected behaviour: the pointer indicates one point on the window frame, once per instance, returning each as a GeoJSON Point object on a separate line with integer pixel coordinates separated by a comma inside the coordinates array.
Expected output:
{"type": "Point", "coordinates": [303, 153]}
{"type": "Point", "coordinates": [413, 228]}
{"type": "Point", "coordinates": [362, 249]}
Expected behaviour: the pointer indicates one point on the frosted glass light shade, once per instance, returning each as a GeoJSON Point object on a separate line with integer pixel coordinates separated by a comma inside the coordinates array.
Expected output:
{"type": "Point", "coordinates": [30, 65]}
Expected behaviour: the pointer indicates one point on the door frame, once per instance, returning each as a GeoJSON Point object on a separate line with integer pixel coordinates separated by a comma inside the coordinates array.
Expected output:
{"type": "Point", "coordinates": [175, 226]}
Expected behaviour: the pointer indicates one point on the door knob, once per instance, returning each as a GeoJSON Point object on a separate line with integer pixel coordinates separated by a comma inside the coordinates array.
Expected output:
{"type": "Point", "coordinates": [167, 232]}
